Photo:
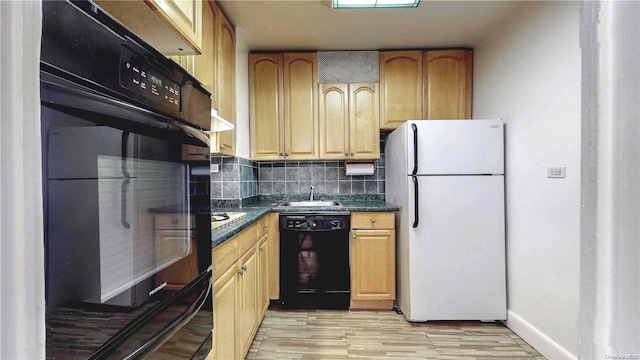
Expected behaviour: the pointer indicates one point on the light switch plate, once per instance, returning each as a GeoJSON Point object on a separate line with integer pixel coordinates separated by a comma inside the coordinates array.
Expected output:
{"type": "Point", "coordinates": [215, 168]}
{"type": "Point", "coordinates": [557, 172]}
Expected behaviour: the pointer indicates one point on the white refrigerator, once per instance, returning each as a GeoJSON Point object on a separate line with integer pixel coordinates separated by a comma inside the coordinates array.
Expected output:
{"type": "Point", "coordinates": [447, 177]}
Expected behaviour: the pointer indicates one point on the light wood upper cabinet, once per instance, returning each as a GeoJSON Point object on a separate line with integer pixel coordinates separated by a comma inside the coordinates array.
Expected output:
{"type": "Point", "coordinates": [364, 123]}
{"type": "Point", "coordinates": [205, 62]}
{"type": "Point", "coordinates": [447, 84]}
{"type": "Point", "coordinates": [400, 87]}
{"type": "Point", "coordinates": [267, 121]}
{"type": "Point", "coordinates": [211, 39]}
{"type": "Point", "coordinates": [283, 106]}
{"type": "Point", "coordinates": [349, 121]}
{"type": "Point", "coordinates": [301, 106]}
{"type": "Point", "coordinates": [225, 142]}
{"type": "Point", "coordinates": [334, 121]}
{"type": "Point", "coordinates": [173, 27]}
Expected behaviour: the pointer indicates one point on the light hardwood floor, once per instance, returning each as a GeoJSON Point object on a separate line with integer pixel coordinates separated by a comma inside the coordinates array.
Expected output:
{"type": "Point", "coordinates": [328, 334]}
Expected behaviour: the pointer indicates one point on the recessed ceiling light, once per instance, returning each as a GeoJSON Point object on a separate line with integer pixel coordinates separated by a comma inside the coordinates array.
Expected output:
{"type": "Point", "coordinates": [359, 4]}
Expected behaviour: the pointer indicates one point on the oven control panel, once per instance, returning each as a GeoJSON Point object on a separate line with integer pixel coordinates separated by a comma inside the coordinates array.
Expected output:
{"type": "Point", "coordinates": [139, 76]}
{"type": "Point", "coordinates": [314, 223]}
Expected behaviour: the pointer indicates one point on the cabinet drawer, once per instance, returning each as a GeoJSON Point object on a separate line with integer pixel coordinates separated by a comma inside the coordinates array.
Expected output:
{"type": "Point", "coordinates": [372, 220]}
{"type": "Point", "coordinates": [224, 255]}
{"type": "Point", "coordinates": [247, 238]}
{"type": "Point", "coordinates": [173, 221]}
{"type": "Point", "coordinates": [262, 226]}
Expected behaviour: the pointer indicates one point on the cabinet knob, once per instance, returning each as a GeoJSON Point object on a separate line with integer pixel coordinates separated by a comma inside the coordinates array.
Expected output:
{"type": "Point", "coordinates": [206, 155]}
{"type": "Point", "coordinates": [262, 248]}
{"type": "Point", "coordinates": [346, 154]}
{"type": "Point", "coordinates": [286, 154]}
{"type": "Point", "coordinates": [354, 236]}
{"type": "Point", "coordinates": [174, 221]}
{"type": "Point", "coordinates": [222, 146]}
{"type": "Point", "coordinates": [373, 221]}
{"type": "Point", "coordinates": [265, 226]}
{"type": "Point", "coordinates": [352, 154]}
{"type": "Point", "coordinates": [281, 154]}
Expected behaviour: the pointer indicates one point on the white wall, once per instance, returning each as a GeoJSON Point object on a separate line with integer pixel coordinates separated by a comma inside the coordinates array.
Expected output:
{"type": "Point", "coordinates": [527, 71]}
{"type": "Point", "coordinates": [242, 96]}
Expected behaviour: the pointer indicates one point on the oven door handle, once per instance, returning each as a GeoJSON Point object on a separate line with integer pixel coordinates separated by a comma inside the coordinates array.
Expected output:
{"type": "Point", "coordinates": [118, 114]}
{"type": "Point", "coordinates": [165, 333]}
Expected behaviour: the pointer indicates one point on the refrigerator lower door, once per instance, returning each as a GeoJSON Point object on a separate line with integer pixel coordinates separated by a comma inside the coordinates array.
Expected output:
{"type": "Point", "coordinates": [457, 252]}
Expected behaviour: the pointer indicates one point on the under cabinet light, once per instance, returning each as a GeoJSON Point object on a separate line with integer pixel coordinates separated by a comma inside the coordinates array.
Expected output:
{"type": "Point", "coordinates": [359, 4]}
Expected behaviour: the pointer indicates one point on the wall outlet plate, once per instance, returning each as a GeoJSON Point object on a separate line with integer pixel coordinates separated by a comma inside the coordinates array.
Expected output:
{"type": "Point", "coordinates": [215, 168]}
{"type": "Point", "coordinates": [557, 172]}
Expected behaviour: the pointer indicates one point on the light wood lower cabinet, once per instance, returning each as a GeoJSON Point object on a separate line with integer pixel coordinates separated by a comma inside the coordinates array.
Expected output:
{"type": "Point", "coordinates": [225, 291]}
{"type": "Point", "coordinates": [373, 279]}
{"type": "Point", "coordinates": [247, 299]}
{"type": "Point", "coordinates": [240, 300]}
{"type": "Point", "coordinates": [263, 276]}
{"type": "Point", "coordinates": [274, 256]}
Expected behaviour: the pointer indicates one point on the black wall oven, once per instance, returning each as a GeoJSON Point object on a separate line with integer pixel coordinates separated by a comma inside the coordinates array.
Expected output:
{"type": "Point", "coordinates": [115, 114]}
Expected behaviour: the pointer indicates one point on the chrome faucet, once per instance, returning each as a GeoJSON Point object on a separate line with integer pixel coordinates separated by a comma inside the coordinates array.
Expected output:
{"type": "Point", "coordinates": [311, 193]}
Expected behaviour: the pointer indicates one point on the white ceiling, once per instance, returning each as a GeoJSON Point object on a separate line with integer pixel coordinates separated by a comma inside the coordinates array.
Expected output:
{"type": "Point", "coordinates": [313, 25]}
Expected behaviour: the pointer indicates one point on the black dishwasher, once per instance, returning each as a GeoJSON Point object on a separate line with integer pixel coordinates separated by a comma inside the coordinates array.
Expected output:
{"type": "Point", "coordinates": [314, 261]}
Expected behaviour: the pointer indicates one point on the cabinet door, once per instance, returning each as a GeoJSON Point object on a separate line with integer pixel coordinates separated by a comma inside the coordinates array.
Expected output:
{"type": "Point", "coordinates": [334, 121]}
{"type": "Point", "coordinates": [224, 314]}
{"type": "Point", "coordinates": [185, 17]}
{"type": "Point", "coordinates": [204, 63]}
{"type": "Point", "coordinates": [265, 99]}
{"type": "Point", "coordinates": [400, 87]}
{"type": "Point", "coordinates": [373, 265]}
{"type": "Point", "coordinates": [364, 133]}
{"type": "Point", "coordinates": [447, 84]}
{"type": "Point", "coordinates": [215, 26]}
{"type": "Point", "coordinates": [274, 256]}
{"type": "Point", "coordinates": [263, 277]}
{"type": "Point", "coordinates": [248, 296]}
{"type": "Point", "coordinates": [173, 27]}
{"type": "Point", "coordinates": [301, 106]}
{"type": "Point", "coordinates": [226, 141]}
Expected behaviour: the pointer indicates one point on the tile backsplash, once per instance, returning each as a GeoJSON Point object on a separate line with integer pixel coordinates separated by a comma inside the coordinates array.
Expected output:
{"type": "Point", "coordinates": [327, 177]}
{"type": "Point", "coordinates": [237, 178]}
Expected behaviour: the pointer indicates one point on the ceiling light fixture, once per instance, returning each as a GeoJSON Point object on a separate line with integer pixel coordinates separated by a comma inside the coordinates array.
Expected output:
{"type": "Point", "coordinates": [363, 4]}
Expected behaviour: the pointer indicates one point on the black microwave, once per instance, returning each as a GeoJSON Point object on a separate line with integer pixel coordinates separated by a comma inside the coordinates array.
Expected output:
{"type": "Point", "coordinates": [115, 114]}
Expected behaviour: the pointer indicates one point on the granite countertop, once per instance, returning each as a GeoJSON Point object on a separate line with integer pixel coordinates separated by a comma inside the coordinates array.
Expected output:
{"type": "Point", "coordinates": [257, 210]}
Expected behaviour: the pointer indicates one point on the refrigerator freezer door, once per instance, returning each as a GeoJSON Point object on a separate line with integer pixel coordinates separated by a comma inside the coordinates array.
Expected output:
{"type": "Point", "coordinates": [457, 253]}
{"type": "Point", "coordinates": [462, 147]}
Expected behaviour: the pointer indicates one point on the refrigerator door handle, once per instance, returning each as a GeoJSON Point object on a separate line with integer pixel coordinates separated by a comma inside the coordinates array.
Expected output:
{"type": "Point", "coordinates": [415, 203]}
{"type": "Point", "coordinates": [415, 152]}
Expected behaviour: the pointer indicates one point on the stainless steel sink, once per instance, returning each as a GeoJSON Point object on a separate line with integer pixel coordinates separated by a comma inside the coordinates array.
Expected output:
{"type": "Point", "coordinates": [310, 203]}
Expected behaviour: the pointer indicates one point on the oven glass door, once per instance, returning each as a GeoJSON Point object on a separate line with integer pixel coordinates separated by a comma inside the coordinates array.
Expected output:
{"type": "Point", "coordinates": [105, 183]}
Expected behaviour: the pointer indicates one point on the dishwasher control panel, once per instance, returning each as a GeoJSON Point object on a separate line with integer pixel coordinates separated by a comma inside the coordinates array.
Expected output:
{"type": "Point", "coordinates": [314, 222]}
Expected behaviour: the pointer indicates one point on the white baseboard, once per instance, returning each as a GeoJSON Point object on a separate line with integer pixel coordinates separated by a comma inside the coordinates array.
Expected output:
{"type": "Point", "coordinates": [541, 342]}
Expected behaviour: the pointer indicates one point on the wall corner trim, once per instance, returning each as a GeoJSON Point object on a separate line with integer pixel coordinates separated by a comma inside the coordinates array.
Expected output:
{"type": "Point", "coordinates": [536, 338]}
